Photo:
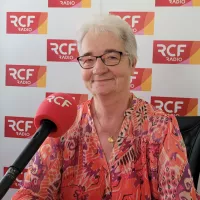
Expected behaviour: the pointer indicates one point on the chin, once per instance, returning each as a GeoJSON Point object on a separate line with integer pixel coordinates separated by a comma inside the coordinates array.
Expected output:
{"type": "Point", "coordinates": [102, 92]}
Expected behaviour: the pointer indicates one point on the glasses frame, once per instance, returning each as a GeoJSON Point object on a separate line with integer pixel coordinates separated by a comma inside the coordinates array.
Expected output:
{"type": "Point", "coordinates": [120, 52]}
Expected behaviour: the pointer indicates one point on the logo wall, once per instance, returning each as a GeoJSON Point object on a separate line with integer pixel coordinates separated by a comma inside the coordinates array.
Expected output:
{"type": "Point", "coordinates": [142, 23]}
{"type": "Point", "coordinates": [69, 3]}
{"type": "Point", "coordinates": [57, 50]}
{"type": "Point", "coordinates": [62, 50]}
{"type": "Point", "coordinates": [27, 22]}
{"type": "Point", "coordinates": [176, 52]}
{"type": "Point", "coordinates": [19, 127]}
{"type": "Point", "coordinates": [141, 80]}
{"type": "Point", "coordinates": [25, 76]}
{"type": "Point", "coordinates": [176, 105]}
{"type": "Point", "coordinates": [177, 3]}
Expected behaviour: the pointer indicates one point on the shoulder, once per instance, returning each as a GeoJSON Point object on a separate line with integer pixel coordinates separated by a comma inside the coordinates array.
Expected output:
{"type": "Point", "coordinates": [146, 111]}
{"type": "Point", "coordinates": [141, 105]}
{"type": "Point", "coordinates": [154, 122]}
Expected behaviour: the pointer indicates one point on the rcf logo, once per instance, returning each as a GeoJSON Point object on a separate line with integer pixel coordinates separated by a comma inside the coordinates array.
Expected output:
{"type": "Point", "coordinates": [19, 127]}
{"type": "Point", "coordinates": [177, 3]}
{"type": "Point", "coordinates": [68, 3]}
{"type": "Point", "coordinates": [62, 50]}
{"type": "Point", "coordinates": [25, 76]}
{"type": "Point", "coordinates": [27, 22]}
{"type": "Point", "coordinates": [142, 23]}
{"type": "Point", "coordinates": [141, 80]}
{"type": "Point", "coordinates": [58, 100]}
{"type": "Point", "coordinates": [176, 52]}
{"type": "Point", "coordinates": [79, 98]}
{"type": "Point", "coordinates": [17, 183]}
{"type": "Point", "coordinates": [177, 106]}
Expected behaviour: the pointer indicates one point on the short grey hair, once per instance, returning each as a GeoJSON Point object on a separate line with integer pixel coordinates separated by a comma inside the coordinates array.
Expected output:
{"type": "Point", "coordinates": [115, 25]}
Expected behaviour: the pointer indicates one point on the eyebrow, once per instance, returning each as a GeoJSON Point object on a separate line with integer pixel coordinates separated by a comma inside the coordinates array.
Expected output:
{"type": "Point", "coordinates": [106, 51]}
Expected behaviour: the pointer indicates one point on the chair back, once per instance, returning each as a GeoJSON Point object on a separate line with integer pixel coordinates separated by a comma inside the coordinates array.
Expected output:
{"type": "Point", "coordinates": [190, 130]}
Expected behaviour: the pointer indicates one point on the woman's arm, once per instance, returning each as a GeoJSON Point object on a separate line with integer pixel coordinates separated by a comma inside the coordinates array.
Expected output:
{"type": "Point", "coordinates": [175, 179]}
{"type": "Point", "coordinates": [43, 178]}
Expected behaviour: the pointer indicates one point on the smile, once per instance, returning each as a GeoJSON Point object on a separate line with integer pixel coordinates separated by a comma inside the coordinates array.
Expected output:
{"type": "Point", "coordinates": [102, 80]}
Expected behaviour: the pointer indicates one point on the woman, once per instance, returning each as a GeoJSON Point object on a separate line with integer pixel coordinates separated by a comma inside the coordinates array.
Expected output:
{"type": "Point", "coordinates": [120, 147]}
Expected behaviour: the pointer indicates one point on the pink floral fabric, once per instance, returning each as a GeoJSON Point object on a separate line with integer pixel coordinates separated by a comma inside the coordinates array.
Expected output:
{"type": "Point", "coordinates": [148, 161]}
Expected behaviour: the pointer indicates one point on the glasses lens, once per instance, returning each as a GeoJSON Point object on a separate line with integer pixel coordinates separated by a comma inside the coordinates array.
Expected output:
{"type": "Point", "coordinates": [87, 61]}
{"type": "Point", "coordinates": [111, 58]}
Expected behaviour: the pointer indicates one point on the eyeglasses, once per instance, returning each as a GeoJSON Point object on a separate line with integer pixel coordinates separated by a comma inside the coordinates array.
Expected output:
{"type": "Point", "coordinates": [109, 59]}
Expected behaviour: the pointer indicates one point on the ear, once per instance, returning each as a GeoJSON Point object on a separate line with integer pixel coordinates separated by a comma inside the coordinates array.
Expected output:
{"type": "Point", "coordinates": [132, 67]}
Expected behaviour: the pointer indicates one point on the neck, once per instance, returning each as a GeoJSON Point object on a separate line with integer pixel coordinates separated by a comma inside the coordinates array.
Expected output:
{"type": "Point", "coordinates": [111, 105]}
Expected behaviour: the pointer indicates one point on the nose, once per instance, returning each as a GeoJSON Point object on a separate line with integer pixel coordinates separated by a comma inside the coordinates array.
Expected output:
{"type": "Point", "coordinates": [99, 67]}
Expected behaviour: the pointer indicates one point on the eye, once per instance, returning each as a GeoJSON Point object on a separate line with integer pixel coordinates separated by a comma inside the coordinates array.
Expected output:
{"type": "Point", "coordinates": [111, 57]}
{"type": "Point", "coordinates": [89, 60]}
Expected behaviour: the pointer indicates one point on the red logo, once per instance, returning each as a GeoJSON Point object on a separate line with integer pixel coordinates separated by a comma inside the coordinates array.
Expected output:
{"type": "Point", "coordinates": [174, 2]}
{"type": "Point", "coordinates": [142, 23]}
{"type": "Point", "coordinates": [19, 127]}
{"type": "Point", "coordinates": [17, 183]}
{"type": "Point", "coordinates": [62, 50]}
{"type": "Point", "coordinates": [141, 80]}
{"type": "Point", "coordinates": [172, 52]}
{"type": "Point", "coordinates": [27, 22]}
{"type": "Point", "coordinates": [70, 3]}
{"type": "Point", "coordinates": [25, 76]}
{"type": "Point", "coordinates": [79, 98]}
{"type": "Point", "coordinates": [59, 100]}
{"type": "Point", "coordinates": [177, 106]}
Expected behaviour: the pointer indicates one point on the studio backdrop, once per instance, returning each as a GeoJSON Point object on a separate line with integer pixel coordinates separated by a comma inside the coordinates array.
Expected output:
{"type": "Point", "coordinates": [38, 56]}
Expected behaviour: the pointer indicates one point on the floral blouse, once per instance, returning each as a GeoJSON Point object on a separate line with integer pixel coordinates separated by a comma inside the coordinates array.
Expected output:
{"type": "Point", "coordinates": [148, 161]}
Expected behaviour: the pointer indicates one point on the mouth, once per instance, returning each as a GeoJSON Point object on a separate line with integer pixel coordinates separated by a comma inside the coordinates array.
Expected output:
{"type": "Point", "coordinates": [102, 80]}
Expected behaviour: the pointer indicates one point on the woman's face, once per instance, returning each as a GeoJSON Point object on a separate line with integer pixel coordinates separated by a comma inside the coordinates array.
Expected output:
{"type": "Point", "coordinates": [102, 79]}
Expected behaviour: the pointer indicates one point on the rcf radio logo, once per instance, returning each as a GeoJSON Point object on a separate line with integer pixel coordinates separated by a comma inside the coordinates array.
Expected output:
{"type": "Point", "coordinates": [141, 80]}
{"type": "Point", "coordinates": [177, 3]}
{"type": "Point", "coordinates": [177, 106]}
{"type": "Point", "coordinates": [70, 4]}
{"type": "Point", "coordinates": [62, 50]}
{"type": "Point", "coordinates": [142, 23]}
{"type": "Point", "coordinates": [79, 98]}
{"type": "Point", "coordinates": [17, 183]}
{"type": "Point", "coordinates": [27, 22]}
{"type": "Point", "coordinates": [176, 52]}
{"type": "Point", "coordinates": [19, 127]}
{"type": "Point", "coordinates": [25, 76]}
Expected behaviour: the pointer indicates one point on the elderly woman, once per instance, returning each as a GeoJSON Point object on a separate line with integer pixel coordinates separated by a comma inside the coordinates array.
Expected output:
{"type": "Point", "coordinates": [120, 146]}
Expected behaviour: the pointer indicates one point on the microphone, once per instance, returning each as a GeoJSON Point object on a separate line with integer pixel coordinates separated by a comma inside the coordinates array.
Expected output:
{"type": "Point", "coordinates": [55, 115]}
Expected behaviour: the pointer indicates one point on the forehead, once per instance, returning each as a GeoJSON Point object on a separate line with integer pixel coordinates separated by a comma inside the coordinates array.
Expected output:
{"type": "Point", "coordinates": [98, 42]}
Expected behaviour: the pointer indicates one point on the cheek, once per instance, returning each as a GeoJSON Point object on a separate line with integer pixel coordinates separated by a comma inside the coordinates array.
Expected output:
{"type": "Point", "coordinates": [123, 73]}
{"type": "Point", "coordinates": [124, 77]}
{"type": "Point", "coordinates": [86, 74]}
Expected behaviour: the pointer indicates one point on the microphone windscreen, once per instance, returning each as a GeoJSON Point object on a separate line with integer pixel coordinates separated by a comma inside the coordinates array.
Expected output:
{"type": "Point", "coordinates": [61, 109]}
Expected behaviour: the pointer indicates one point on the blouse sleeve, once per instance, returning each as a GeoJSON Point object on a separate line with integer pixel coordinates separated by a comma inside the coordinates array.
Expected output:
{"type": "Point", "coordinates": [43, 178]}
{"type": "Point", "coordinates": [174, 177]}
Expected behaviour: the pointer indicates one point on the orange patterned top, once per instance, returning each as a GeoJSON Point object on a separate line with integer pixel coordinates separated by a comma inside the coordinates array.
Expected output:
{"type": "Point", "coordinates": [148, 161]}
